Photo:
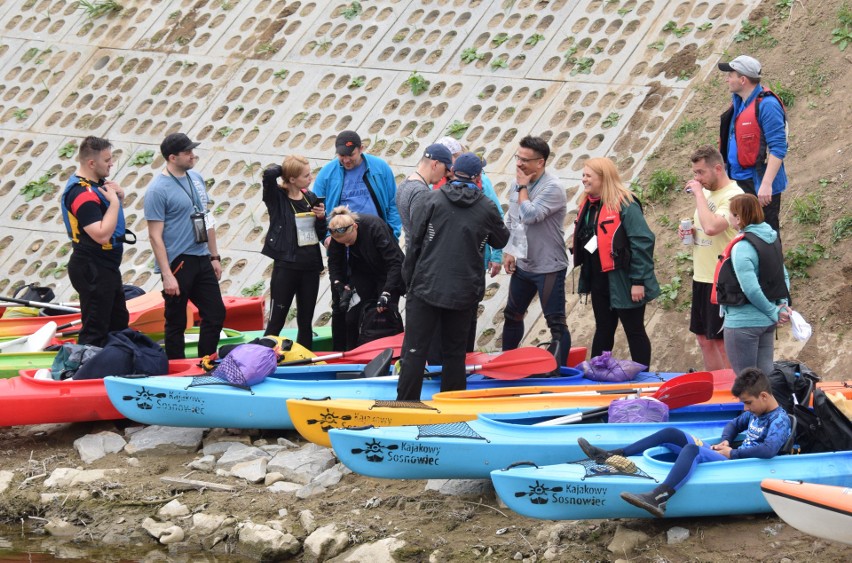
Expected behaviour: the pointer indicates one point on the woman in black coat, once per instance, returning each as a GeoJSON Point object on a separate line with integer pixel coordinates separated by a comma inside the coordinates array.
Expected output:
{"type": "Point", "coordinates": [364, 265]}
{"type": "Point", "coordinates": [296, 225]}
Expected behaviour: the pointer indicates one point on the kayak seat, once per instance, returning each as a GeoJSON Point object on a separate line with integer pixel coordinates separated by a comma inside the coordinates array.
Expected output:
{"type": "Point", "coordinates": [790, 446]}
{"type": "Point", "coordinates": [380, 365]}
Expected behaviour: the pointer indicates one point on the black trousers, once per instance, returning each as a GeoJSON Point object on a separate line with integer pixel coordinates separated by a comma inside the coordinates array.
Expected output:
{"type": "Point", "coordinates": [102, 302]}
{"type": "Point", "coordinates": [606, 322]}
{"type": "Point", "coordinates": [421, 322]}
{"type": "Point", "coordinates": [286, 284]}
{"type": "Point", "coordinates": [197, 283]}
{"type": "Point", "coordinates": [771, 211]}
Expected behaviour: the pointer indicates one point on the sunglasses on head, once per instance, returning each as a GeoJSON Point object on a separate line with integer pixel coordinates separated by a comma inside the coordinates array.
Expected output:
{"type": "Point", "coordinates": [340, 230]}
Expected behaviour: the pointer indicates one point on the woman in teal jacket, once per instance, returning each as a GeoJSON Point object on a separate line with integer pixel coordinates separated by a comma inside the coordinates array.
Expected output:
{"type": "Point", "coordinates": [750, 326]}
{"type": "Point", "coordinates": [615, 251]}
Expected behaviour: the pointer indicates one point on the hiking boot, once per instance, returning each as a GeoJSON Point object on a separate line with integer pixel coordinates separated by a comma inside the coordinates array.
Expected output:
{"type": "Point", "coordinates": [599, 455]}
{"type": "Point", "coordinates": [654, 502]}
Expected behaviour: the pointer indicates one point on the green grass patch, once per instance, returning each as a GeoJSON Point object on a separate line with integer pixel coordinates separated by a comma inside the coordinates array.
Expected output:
{"type": "Point", "coordinates": [798, 260]}
{"type": "Point", "coordinates": [807, 209]}
{"type": "Point", "coordinates": [841, 229]}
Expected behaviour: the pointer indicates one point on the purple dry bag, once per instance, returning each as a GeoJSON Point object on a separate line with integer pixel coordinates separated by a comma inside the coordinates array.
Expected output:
{"type": "Point", "coordinates": [246, 365]}
{"type": "Point", "coordinates": [607, 368]}
{"type": "Point", "coordinates": [642, 409]}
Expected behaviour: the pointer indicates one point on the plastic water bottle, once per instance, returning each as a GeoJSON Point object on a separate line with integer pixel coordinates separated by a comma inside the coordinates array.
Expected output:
{"type": "Point", "coordinates": [686, 225]}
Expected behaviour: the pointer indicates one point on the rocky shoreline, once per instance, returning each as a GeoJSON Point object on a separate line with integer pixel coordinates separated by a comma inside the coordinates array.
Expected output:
{"type": "Point", "coordinates": [195, 494]}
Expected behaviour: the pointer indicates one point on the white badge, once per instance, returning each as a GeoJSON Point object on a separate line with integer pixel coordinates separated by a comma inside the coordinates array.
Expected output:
{"type": "Point", "coordinates": [592, 245]}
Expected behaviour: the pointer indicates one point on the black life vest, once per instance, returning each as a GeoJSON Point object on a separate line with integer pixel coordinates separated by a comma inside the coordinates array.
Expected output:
{"type": "Point", "coordinates": [727, 290]}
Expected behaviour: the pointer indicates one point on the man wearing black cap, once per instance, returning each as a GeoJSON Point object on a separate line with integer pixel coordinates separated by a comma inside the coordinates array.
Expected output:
{"type": "Point", "coordinates": [365, 184]}
{"type": "Point", "coordinates": [183, 239]}
{"type": "Point", "coordinates": [753, 136]}
{"type": "Point", "coordinates": [435, 165]}
{"type": "Point", "coordinates": [443, 274]}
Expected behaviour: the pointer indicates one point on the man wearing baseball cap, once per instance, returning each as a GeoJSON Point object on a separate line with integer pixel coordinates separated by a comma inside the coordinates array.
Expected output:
{"type": "Point", "coordinates": [366, 185]}
{"type": "Point", "coordinates": [183, 237]}
{"type": "Point", "coordinates": [753, 136]}
{"type": "Point", "coordinates": [443, 274]}
{"type": "Point", "coordinates": [435, 165]}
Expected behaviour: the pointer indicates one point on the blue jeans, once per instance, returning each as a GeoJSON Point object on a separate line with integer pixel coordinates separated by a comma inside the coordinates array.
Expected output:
{"type": "Point", "coordinates": [550, 287]}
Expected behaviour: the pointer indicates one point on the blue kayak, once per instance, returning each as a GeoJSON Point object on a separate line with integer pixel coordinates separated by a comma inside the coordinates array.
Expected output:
{"type": "Point", "coordinates": [198, 402]}
{"type": "Point", "coordinates": [472, 449]}
{"type": "Point", "coordinates": [584, 490]}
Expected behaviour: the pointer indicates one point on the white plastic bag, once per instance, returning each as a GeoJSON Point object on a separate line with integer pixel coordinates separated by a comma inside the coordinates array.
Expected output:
{"type": "Point", "coordinates": [801, 329]}
{"type": "Point", "coordinates": [517, 245]}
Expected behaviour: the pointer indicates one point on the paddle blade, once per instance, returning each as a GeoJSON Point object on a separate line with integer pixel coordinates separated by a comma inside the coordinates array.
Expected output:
{"type": "Point", "coordinates": [685, 390]}
{"type": "Point", "coordinates": [366, 352]}
{"type": "Point", "coordinates": [518, 363]}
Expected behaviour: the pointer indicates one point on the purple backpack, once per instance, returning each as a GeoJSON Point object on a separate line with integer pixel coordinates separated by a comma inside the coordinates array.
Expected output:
{"type": "Point", "coordinates": [246, 365]}
{"type": "Point", "coordinates": [607, 368]}
{"type": "Point", "coordinates": [640, 409]}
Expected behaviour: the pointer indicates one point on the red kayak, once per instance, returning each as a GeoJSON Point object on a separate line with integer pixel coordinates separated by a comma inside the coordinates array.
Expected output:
{"type": "Point", "coordinates": [241, 313]}
{"type": "Point", "coordinates": [26, 400]}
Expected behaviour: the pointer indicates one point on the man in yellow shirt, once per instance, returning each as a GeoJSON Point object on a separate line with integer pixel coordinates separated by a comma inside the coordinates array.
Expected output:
{"type": "Point", "coordinates": [711, 233]}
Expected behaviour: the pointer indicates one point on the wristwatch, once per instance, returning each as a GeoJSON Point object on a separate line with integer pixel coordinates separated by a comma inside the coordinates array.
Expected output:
{"type": "Point", "coordinates": [521, 187]}
{"type": "Point", "coordinates": [215, 257]}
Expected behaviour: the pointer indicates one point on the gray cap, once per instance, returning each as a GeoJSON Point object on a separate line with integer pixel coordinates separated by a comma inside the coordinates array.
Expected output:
{"type": "Point", "coordinates": [745, 65]}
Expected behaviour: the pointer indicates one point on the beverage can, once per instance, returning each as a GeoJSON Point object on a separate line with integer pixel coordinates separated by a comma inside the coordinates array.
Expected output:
{"type": "Point", "coordinates": [686, 225]}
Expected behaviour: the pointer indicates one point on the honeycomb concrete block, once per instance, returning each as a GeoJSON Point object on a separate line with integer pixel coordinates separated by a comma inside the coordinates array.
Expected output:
{"type": "Point", "coordinates": [175, 99]}
{"type": "Point", "coordinates": [33, 75]}
{"type": "Point", "coordinates": [427, 35]}
{"type": "Point", "coordinates": [192, 26]}
{"type": "Point", "coordinates": [117, 29]}
{"type": "Point", "coordinates": [347, 32]}
{"type": "Point", "coordinates": [42, 19]}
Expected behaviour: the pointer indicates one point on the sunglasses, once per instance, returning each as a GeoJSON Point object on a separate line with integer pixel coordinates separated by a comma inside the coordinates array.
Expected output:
{"type": "Point", "coordinates": [340, 230]}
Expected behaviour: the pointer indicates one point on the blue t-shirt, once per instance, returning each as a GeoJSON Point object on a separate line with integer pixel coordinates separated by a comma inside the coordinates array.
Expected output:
{"type": "Point", "coordinates": [356, 194]}
{"type": "Point", "coordinates": [170, 203]}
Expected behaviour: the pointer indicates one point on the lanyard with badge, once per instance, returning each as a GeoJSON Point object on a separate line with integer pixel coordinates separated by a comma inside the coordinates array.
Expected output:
{"type": "Point", "coordinates": [199, 225]}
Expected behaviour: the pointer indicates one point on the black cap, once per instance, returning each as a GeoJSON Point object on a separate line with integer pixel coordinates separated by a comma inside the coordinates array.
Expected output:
{"type": "Point", "coordinates": [346, 142]}
{"type": "Point", "coordinates": [176, 143]}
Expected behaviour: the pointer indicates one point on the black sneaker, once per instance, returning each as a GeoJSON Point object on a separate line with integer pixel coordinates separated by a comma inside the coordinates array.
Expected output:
{"type": "Point", "coordinates": [599, 455]}
{"type": "Point", "coordinates": [654, 502]}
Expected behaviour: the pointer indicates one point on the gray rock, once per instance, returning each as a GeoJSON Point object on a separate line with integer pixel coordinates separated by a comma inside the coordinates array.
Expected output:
{"type": "Point", "coordinates": [460, 486]}
{"type": "Point", "coordinates": [310, 490]}
{"type": "Point", "coordinates": [284, 487]}
{"type": "Point", "coordinates": [218, 448]}
{"type": "Point", "coordinates": [308, 521]}
{"type": "Point", "coordinates": [272, 478]}
{"type": "Point", "coordinates": [551, 553]}
{"type": "Point", "coordinates": [205, 524]}
{"type": "Point", "coordinates": [173, 509]}
{"type": "Point", "coordinates": [172, 534]}
{"type": "Point", "coordinates": [626, 540]}
{"type": "Point", "coordinates": [5, 480]}
{"type": "Point", "coordinates": [204, 463]}
{"type": "Point", "coordinates": [164, 440]}
{"type": "Point", "coordinates": [286, 443]}
{"type": "Point", "coordinates": [47, 498]}
{"type": "Point", "coordinates": [381, 550]}
{"type": "Point", "coordinates": [273, 449]}
{"type": "Point", "coordinates": [325, 543]}
{"type": "Point", "coordinates": [235, 455]}
{"type": "Point", "coordinates": [253, 471]}
{"type": "Point", "coordinates": [332, 476]}
{"type": "Point", "coordinates": [92, 447]}
{"type": "Point", "coordinates": [677, 535]}
{"type": "Point", "coordinates": [69, 477]}
{"type": "Point", "coordinates": [156, 529]}
{"type": "Point", "coordinates": [302, 465]}
{"type": "Point", "coordinates": [61, 528]}
{"type": "Point", "coordinates": [265, 543]}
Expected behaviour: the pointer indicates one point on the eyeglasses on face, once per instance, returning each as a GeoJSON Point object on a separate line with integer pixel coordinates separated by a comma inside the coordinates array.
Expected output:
{"type": "Point", "coordinates": [340, 230]}
{"type": "Point", "coordinates": [523, 160]}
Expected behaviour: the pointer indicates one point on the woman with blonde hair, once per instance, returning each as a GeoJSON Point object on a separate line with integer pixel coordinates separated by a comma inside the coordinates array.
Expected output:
{"type": "Point", "coordinates": [754, 291]}
{"type": "Point", "coordinates": [614, 249]}
{"type": "Point", "coordinates": [296, 225]}
{"type": "Point", "coordinates": [365, 269]}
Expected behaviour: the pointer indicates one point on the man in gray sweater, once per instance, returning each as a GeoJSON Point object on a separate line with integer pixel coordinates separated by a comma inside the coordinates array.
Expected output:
{"type": "Point", "coordinates": [535, 256]}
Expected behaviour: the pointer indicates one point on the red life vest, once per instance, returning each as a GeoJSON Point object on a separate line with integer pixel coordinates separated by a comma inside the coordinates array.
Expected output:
{"type": "Point", "coordinates": [613, 246]}
{"type": "Point", "coordinates": [751, 146]}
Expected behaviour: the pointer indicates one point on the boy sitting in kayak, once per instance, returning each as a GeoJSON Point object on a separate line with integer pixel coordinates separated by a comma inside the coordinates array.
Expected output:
{"type": "Point", "coordinates": [765, 423]}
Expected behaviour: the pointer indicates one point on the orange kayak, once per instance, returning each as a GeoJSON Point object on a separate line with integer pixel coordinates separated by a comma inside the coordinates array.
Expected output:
{"type": "Point", "coordinates": [824, 511]}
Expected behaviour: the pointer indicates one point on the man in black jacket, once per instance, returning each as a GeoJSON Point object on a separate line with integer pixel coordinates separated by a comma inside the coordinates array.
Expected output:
{"type": "Point", "coordinates": [443, 273]}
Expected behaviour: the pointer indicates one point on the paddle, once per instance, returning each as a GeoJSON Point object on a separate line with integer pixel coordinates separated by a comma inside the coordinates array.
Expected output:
{"type": "Point", "coordinates": [40, 304]}
{"type": "Point", "coordinates": [36, 342]}
{"type": "Point", "coordinates": [516, 364]}
{"type": "Point", "coordinates": [360, 355]}
{"type": "Point", "coordinates": [680, 391]}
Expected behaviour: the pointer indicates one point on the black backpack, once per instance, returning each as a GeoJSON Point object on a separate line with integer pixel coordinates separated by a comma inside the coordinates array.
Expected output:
{"type": "Point", "coordinates": [792, 383]}
{"type": "Point", "coordinates": [823, 428]}
{"type": "Point", "coordinates": [374, 325]}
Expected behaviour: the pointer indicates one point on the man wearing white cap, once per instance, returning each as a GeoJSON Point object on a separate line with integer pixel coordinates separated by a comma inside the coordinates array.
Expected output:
{"type": "Point", "coordinates": [753, 136]}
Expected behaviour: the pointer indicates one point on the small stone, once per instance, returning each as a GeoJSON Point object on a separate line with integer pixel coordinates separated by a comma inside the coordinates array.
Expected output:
{"type": "Point", "coordinates": [204, 463]}
{"type": "Point", "coordinates": [677, 535]}
{"type": "Point", "coordinates": [172, 534]}
{"type": "Point", "coordinates": [173, 509]}
{"type": "Point", "coordinates": [626, 540]}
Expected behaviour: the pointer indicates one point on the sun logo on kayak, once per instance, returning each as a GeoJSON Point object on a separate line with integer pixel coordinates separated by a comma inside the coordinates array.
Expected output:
{"type": "Point", "coordinates": [538, 493]}
{"type": "Point", "coordinates": [144, 398]}
{"type": "Point", "coordinates": [374, 451]}
{"type": "Point", "coordinates": [329, 420]}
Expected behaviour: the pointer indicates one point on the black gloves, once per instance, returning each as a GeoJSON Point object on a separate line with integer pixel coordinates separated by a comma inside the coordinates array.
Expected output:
{"type": "Point", "coordinates": [345, 298]}
{"type": "Point", "coordinates": [383, 300]}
